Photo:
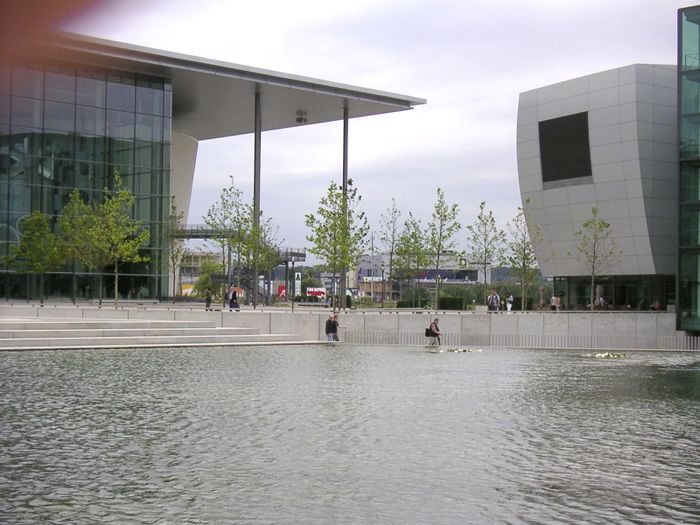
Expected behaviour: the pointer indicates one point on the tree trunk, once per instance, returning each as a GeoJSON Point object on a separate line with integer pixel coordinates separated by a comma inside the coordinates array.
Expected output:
{"type": "Point", "coordinates": [592, 289]}
{"type": "Point", "coordinates": [116, 285]}
{"type": "Point", "coordinates": [99, 294]}
{"type": "Point", "coordinates": [41, 289]}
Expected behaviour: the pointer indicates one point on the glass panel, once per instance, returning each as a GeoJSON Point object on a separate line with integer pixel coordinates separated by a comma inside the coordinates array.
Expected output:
{"type": "Point", "coordinates": [5, 109]}
{"type": "Point", "coordinates": [167, 130]}
{"type": "Point", "coordinates": [91, 91]}
{"type": "Point", "coordinates": [149, 128]}
{"type": "Point", "coordinates": [690, 220]}
{"type": "Point", "coordinates": [59, 87]}
{"type": "Point", "coordinates": [167, 103]}
{"type": "Point", "coordinates": [121, 152]}
{"type": "Point", "coordinates": [89, 175]}
{"type": "Point", "coordinates": [146, 182]}
{"type": "Point", "coordinates": [25, 141]}
{"type": "Point", "coordinates": [59, 116]}
{"type": "Point", "coordinates": [121, 95]}
{"type": "Point", "coordinates": [689, 285]}
{"type": "Point", "coordinates": [89, 120]}
{"type": "Point", "coordinates": [690, 183]}
{"type": "Point", "coordinates": [120, 124]}
{"type": "Point", "coordinates": [148, 154]}
{"type": "Point", "coordinates": [27, 112]}
{"type": "Point", "coordinates": [690, 42]}
{"type": "Point", "coordinates": [91, 149]}
{"type": "Point", "coordinates": [57, 145]}
{"type": "Point", "coordinates": [149, 100]}
{"type": "Point", "coordinates": [27, 83]}
{"type": "Point", "coordinates": [5, 79]}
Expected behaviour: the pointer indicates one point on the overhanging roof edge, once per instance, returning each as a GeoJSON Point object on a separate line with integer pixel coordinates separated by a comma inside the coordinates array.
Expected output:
{"type": "Point", "coordinates": [169, 59]}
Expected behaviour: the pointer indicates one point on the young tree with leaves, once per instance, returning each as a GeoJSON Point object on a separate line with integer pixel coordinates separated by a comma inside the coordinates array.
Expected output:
{"type": "Point", "coordinates": [441, 231]}
{"type": "Point", "coordinates": [39, 250]}
{"type": "Point", "coordinates": [338, 230]}
{"type": "Point", "coordinates": [520, 255]}
{"type": "Point", "coordinates": [597, 248]}
{"type": "Point", "coordinates": [230, 219]}
{"type": "Point", "coordinates": [261, 244]}
{"type": "Point", "coordinates": [389, 235]}
{"type": "Point", "coordinates": [411, 249]}
{"type": "Point", "coordinates": [485, 244]}
{"type": "Point", "coordinates": [176, 246]}
{"type": "Point", "coordinates": [103, 234]}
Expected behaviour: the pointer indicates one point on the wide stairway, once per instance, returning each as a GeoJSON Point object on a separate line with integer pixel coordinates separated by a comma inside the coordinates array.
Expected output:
{"type": "Point", "coordinates": [47, 334]}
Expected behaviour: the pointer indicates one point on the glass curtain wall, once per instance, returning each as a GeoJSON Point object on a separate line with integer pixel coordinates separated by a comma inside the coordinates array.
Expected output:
{"type": "Point", "coordinates": [61, 129]}
{"type": "Point", "coordinates": [689, 130]}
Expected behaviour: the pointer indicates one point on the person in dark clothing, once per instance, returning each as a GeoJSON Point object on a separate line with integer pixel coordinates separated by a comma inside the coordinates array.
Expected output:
{"type": "Point", "coordinates": [233, 300]}
{"type": "Point", "coordinates": [435, 332]}
{"type": "Point", "coordinates": [207, 299]}
{"type": "Point", "coordinates": [332, 328]}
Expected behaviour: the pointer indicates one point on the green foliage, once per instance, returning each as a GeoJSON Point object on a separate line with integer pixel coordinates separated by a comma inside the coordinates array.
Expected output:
{"type": "Point", "coordinates": [176, 247]}
{"type": "Point", "coordinates": [207, 269]}
{"type": "Point", "coordinates": [39, 250]}
{"type": "Point", "coordinates": [103, 234]}
{"type": "Point", "coordinates": [451, 303]}
{"type": "Point", "coordinates": [231, 220]}
{"type": "Point", "coordinates": [338, 229]}
{"type": "Point", "coordinates": [485, 244]}
{"type": "Point", "coordinates": [597, 248]}
{"type": "Point", "coordinates": [520, 256]}
{"type": "Point", "coordinates": [441, 231]}
{"type": "Point", "coordinates": [389, 234]}
{"type": "Point", "coordinates": [411, 250]}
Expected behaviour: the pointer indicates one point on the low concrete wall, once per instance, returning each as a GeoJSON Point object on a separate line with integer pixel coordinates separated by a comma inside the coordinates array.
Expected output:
{"type": "Point", "coordinates": [597, 330]}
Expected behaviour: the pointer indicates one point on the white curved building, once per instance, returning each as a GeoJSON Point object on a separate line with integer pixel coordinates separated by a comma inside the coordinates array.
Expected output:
{"type": "Point", "coordinates": [607, 140]}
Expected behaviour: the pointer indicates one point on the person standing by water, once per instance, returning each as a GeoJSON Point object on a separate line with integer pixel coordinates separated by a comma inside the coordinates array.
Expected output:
{"type": "Point", "coordinates": [232, 299]}
{"type": "Point", "coordinates": [435, 332]}
{"type": "Point", "coordinates": [332, 328]}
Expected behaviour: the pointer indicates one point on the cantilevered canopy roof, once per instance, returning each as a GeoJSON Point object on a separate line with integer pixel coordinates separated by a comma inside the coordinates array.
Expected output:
{"type": "Point", "coordinates": [216, 99]}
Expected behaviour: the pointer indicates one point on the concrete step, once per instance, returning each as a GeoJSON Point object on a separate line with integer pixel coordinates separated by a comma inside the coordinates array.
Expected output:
{"type": "Point", "coordinates": [57, 333]}
{"type": "Point", "coordinates": [146, 341]}
{"type": "Point", "coordinates": [99, 324]}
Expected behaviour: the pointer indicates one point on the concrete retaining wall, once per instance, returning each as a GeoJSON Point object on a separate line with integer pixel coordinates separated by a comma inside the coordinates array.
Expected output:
{"type": "Point", "coordinates": [599, 330]}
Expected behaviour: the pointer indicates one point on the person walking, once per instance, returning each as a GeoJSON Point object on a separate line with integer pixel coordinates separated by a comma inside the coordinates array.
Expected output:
{"type": "Point", "coordinates": [233, 299]}
{"type": "Point", "coordinates": [435, 332]}
{"type": "Point", "coordinates": [207, 300]}
{"type": "Point", "coordinates": [509, 301]}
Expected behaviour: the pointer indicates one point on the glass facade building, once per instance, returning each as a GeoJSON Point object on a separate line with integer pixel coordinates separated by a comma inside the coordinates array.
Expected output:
{"type": "Point", "coordinates": [63, 128]}
{"type": "Point", "coordinates": [689, 194]}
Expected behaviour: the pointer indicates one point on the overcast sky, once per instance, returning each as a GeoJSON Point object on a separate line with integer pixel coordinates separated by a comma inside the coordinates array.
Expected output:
{"type": "Point", "coordinates": [470, 60]}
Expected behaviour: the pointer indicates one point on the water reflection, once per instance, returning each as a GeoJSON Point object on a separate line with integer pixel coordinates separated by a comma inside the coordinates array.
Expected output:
{"type": "Point", "coordinates": [348, 435]}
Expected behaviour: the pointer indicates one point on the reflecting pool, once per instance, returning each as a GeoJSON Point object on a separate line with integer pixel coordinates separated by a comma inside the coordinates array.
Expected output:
{"type": "Point", "coordinates": [348, 434]}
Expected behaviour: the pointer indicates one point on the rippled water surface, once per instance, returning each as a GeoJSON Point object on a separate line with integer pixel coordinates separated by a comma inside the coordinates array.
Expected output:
{"type": "Point", "coordinates": [348, 435]}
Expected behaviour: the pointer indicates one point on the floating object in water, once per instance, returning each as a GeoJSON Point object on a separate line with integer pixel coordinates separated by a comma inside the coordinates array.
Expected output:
{"type": "Point", "coordinates": [606, 355]}
{"type": "Point", "coordinates": [459, 350]}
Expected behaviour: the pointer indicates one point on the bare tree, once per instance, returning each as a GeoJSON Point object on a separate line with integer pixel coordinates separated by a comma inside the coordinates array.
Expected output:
{"type": "Point", "coordinates": [597, 248]}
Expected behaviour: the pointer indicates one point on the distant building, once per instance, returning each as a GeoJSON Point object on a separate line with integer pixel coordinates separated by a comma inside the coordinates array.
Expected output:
{"type": "Point", "coordinates": [373, 279]}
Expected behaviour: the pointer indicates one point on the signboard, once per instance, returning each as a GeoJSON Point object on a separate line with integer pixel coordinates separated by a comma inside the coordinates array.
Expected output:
{"type": "Point", "coordinates": [297, 284]}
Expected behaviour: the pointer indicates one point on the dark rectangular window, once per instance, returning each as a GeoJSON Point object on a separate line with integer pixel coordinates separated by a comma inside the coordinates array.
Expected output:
{"type": "Point", "coordinates": [565, 150]}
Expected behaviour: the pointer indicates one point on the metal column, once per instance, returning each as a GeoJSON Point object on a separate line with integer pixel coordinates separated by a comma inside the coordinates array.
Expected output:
{"type": "Point", "coordinates": [344, 270]}
{"type": "Point", "coordinates": [256, 193]}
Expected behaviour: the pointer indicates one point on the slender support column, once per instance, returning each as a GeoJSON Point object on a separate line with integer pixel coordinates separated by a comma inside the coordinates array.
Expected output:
{"type": "Point", "coordinates": [256, 193]}
{"type": "Point", "coordinates": [344, 270]}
